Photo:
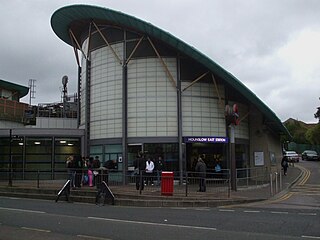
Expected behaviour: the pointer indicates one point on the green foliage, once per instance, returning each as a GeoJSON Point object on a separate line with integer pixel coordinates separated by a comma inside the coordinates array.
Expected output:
{"type": "Point", "coordinates": [313, 135]}
{"type": "Point", "coordinates": [297, 131]}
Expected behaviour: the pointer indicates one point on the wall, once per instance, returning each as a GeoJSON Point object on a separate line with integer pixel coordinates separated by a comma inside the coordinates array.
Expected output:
{"type": "Point", "coordinates": [262, 139]}
{"type": "Point", "coordinates": [8, 124]}
{"type": "Point", "coordinates": [42, 122]}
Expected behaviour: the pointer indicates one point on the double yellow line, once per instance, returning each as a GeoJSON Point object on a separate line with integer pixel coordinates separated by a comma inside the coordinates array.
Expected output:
{"type": "Point", "coordinates": [306, 175]}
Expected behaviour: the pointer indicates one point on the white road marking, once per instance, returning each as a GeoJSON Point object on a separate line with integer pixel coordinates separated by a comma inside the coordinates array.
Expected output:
{"type": "Point", "coordinates": [251, 211]}
{"type": "Point", "coordinates": [92, 237]}
{"type": "Point", "coordinates": [36, 229]}
{"type": "Point", "coordinates": [20, 210]}
{"type": "Point", "coordinates": [226, 210]}
{"type": "Point", "coordinates": [280, 212]}
{"type": "Point", "coordinates": [152, 224]}
{"type": "Point", "coordinates": [307, 214]}
{"type": "Point", "coordinates": [311, 237]}
{"type": "Point", "coordinates": [202, 209]}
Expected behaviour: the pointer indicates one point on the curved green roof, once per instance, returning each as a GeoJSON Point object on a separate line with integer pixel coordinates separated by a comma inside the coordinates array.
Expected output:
{"type": "Point", "coordinates": [78, 17]}
{"type": "Point", "coordinates": [22, 90]}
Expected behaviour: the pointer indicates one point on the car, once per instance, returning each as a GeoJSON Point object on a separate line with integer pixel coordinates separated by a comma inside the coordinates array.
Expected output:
{"type": "Point", "coordinates": [309, 155]}
{"type": "Point", "coordinates": [292, 156]}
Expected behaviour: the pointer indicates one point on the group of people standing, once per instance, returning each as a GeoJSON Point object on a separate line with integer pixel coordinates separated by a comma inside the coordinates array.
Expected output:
{"type": "Point", "coordinates": [87, 170]}
{"type": "Point", "coordinates": [146, 169]}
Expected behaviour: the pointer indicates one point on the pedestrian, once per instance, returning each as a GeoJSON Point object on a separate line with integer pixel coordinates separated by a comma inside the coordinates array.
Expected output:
{"type": "Point", "coordinates": [149, 171]}
{"type": "Point", "coordinates": [96, 171]}
{"type": "Point", "coordinates": [110, 165]}
{"type": "Point", "coordinates": [159, 167]}
{"type": "Point", "coordinates": [85, 163]}
{"type": "Point", "coordinates": [284, 164]}
{"type": "Point", "coordinates": [70, 164]}
{"type": "Point", "coordinates": [90, 172]}
{"type": "Point", "coordinates": [140, 166]}
{"type": "Point", "coordinates": [201, 169]}
{"type": "Point", "coordinates": [78, 170]}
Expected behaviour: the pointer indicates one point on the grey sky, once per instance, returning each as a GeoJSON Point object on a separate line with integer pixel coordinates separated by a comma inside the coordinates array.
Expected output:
{"type": "Point", "coordinates": [272, 46]}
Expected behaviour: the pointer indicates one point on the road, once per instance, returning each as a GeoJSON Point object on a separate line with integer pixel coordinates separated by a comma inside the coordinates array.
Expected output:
{"type": "Point", "coordinates": [305, 194]}
{"type": "Point", "coordinates": [296, 216]}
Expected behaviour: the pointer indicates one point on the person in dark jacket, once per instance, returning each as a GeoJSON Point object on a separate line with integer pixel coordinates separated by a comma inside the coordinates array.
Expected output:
{"type": "Point", "coordinates": [159, 167]}
{"type": "Point", "coordinates": [140, 166]}
{"type": "Point", "coordinates": [285, 164]}
{"type": "Point", "coordinates": [201, 169]}
{"type": "Point", "coordinates": [78, 170]}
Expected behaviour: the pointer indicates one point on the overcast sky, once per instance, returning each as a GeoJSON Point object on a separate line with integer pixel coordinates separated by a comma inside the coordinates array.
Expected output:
{"type": "Point", "coordinates": [271, 46]}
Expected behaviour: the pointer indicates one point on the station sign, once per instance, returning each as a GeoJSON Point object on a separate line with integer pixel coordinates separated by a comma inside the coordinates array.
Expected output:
{"type": "Point", "coordinates": [205, 140]}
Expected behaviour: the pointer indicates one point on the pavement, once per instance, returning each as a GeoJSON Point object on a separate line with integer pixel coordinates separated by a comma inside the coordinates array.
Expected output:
{"type": "Point", "coordinates": [127, 195]}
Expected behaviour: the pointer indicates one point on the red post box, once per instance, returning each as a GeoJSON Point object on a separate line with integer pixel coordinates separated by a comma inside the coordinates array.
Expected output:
{"type": "Point", "coordinates": [167, 183]}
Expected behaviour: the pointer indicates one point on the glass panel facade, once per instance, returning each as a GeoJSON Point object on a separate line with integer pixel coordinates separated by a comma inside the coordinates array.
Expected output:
{"type": "Point", "coordinates": [106, 93]}
{"type": "Point", "coordinates": [40, 154]}
{"type": "Point", "coordinates": [64, 147]}
{"type": "Point", "coordinates": [152, 100]}
{"type": "Point", "coordinates": [113, 148]}
{"type": "Point", "coordinates": [201, 113]}
{"type": "Point", "coordinates": [168, 151]}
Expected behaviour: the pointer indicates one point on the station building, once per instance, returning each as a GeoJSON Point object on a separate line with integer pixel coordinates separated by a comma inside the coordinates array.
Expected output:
{"type": "Point", "coordinates": [139, 89]}
{"type": "Point", "coordinates": [143, 89]}
{"type": "Point", "coordinates": [36, 138]}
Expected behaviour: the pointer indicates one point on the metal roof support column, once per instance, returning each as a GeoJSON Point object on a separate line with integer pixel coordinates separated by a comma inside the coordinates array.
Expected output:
{"type": "Point", "coordinates": [106, 41]}
{"type": "Point", "coordinates": [89, 39]}
{"type": "Point", "coordinates": [134, 50]}
{"type": "Point", "coordinates": [194, 81]}
{"type": "Point", "coordinates": [217, 90]}
{"type": "Point", "coordinates": [74, 40]}
{"type": "Point", "coordinates": [79, 95]}
{"type": "Point", "coordinates": [87, 108]}
{"type": "Point", "coordinates": [182, 161]}
{"type": "Point", "coordinates": [124, 112]}
{"type": "Point", "coordinates": [163, 63]}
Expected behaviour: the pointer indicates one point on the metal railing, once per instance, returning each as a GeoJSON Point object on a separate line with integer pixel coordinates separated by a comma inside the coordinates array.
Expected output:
{"type": "Point", "coordinates": [217, 183]}
{"type": "Point", "coordinates": [252, 177]}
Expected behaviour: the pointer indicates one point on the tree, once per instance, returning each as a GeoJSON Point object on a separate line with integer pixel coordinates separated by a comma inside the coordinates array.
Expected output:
{"type": "Point", "coordinates": [297, 131]}
{"type": "Point", "coordinates": [313, 135]}
{"type": "Point", "coordinates": [317, 114]}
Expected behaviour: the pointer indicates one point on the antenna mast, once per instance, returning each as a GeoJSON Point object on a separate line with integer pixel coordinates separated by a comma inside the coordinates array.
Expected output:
{"type": "Point", "coordinates": [32, 87]}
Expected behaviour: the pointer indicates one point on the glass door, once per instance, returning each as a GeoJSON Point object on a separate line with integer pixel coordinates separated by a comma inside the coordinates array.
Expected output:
{"type": "Point", "coordinates": [133, 150]}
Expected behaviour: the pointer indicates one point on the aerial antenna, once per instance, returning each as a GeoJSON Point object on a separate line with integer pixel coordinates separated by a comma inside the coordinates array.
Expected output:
{"type": "Point", "coordinates": [65, 93]}
{"type": "Point", "coordinates": [32, 87]}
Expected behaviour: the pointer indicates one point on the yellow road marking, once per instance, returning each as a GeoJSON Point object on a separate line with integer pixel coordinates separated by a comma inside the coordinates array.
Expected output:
{"type": "Point", "coordinates": [306, 175]}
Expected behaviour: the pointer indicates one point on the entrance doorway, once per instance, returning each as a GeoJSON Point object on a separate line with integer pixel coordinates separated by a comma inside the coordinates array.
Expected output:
{"type": "Point", "coordinates": [214, 153]}
{"type": "Point", "coordinates": [133, 150]}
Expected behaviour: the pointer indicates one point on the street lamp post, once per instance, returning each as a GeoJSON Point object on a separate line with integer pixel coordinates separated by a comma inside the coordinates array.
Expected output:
{"type": "Point", "coordinates": [10, 159]}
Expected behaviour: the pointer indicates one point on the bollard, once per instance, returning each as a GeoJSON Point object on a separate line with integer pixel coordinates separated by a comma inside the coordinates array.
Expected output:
{"type": "Point", "coordinates": [280, 181]}
{"type": "Point", "coordinates": [187, 183]}
{"type": "Point", "coordinates": [38, 179]}
{"type": "Point", "coordinates": [247, 175]}
{"type": "Point", "coordinates": [271, 185]}
{"type": "Point", "coordinates": [276, 175]}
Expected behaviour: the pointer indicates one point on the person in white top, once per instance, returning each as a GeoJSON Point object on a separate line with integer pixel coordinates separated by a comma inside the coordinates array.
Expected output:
{"type": "Point", "coordinates": [149, 171]}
